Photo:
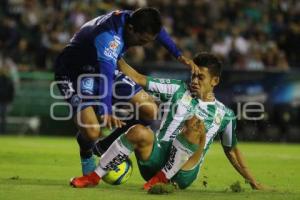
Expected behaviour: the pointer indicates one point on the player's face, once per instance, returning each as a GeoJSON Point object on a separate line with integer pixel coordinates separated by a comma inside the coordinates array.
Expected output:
{"type": "Point", "coordinates": [143, 38]}
{"type": "Point", "coordinates": [133, 38]}
{"type": "Point", "coordinates": [140, 39]}
{"type": "Point", "coordinates": [203, 83]}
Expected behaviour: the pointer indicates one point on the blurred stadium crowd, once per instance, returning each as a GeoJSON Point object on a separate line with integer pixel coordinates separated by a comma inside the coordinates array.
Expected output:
{"type": "Point", "coordinates": [257, 39]}
{"type": "Point", "coordinates": [251, 34]}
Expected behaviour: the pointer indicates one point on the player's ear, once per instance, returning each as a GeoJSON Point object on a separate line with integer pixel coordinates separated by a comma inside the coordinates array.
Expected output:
{"type": "Point", "coordinates": [215, 81]}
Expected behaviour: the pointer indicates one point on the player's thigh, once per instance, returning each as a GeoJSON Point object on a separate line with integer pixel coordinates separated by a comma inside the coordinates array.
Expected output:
{"type": "Point", "coordinates": [126, 90]}
{"type": "Point", "coordinates": [184, 178]}
{"type": "Point", "coordinates": [80, 90]}
{"type": "Point", "coordinates": [145, 105]}
{"type": "Point", "coordinates": [87, 122]}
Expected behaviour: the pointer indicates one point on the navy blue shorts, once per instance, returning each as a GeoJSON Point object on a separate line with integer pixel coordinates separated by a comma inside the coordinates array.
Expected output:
{"type": "Point", "coordinates": [83, 90]}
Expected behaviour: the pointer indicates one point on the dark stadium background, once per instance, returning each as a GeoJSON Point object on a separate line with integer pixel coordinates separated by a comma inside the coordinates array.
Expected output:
{"type": "Point", "coordinates": [258, 41]}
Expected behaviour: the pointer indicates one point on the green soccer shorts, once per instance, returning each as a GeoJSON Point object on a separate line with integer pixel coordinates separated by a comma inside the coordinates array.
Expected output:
{"type": "Point", "coordinates": [158, 159]}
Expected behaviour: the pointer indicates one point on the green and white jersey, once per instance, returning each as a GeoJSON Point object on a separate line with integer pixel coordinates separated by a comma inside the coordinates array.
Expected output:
{"type": "Point", "coordinates": [178, 105]}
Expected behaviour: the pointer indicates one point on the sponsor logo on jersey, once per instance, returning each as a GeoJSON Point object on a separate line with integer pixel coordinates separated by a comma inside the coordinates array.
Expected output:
{"type": "Point", "coordinates": [201, 113]}
{"type": "Point", "coordinates": [163, 81]}
{"type": "Point", "coordinates": [112, 49]}
{"type": "Point", "coordinates": [113, 45]}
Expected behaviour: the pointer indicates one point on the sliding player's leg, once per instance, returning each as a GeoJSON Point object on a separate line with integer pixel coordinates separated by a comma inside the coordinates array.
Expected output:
{"type": "Point", "coordinates": [189, 172]}
{"type": "Point", "coordinates": [188, 143]}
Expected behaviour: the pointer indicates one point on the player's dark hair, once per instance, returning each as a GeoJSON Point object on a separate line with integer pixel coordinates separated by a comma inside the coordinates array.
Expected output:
{"type": "Point", "coordinates": [212, 62]}
{"type": "Point", "coordinates": [146, 20]}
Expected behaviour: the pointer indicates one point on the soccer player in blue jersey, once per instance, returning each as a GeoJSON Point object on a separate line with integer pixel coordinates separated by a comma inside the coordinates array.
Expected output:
{"type": "Point", "coordinates": [86, 70]}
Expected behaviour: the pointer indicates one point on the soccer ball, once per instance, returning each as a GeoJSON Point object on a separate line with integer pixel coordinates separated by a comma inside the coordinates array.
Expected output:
{"type": "Point", "coordinates": [119, 175]}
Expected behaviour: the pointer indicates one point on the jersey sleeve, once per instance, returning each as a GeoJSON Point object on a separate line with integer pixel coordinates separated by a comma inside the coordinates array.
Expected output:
{"type": "Point", "coordinates": [163, 88]}
{"type": "Point", "coordinates": [165, 39]}
{"type": "Point", "coordinates": [108, 48]}
{"type": "Point", "coordinates": [228, 135]}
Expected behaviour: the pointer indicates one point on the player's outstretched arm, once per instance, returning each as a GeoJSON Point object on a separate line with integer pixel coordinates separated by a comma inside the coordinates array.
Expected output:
{"type": "Point", "coordinates": [236, 158]}
{"type": "Point", "coordinates": [164, 38]}
{"type": "Point", "coordinates": [132, 73]}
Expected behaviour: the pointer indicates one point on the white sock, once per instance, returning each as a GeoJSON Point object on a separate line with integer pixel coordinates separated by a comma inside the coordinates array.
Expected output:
{"type": "Point", "coordinates": [118, 151]}
{"type": "Point", "coordinates": [181, 151]}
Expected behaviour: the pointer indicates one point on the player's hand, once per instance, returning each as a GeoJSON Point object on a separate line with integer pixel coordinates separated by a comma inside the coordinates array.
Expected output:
{"type": "Point", "coordinates": [258, 186]}
{"type": "Point", "coordinates": [190, 63]}
{"type": "Point", "coordinates": [110, 121]}
{"type": "Point", "coordinates": [194, 123]}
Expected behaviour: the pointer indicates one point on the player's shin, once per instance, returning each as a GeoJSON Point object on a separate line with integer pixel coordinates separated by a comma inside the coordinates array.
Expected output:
{"type": "Point", "coordinates": [181, 151]}
{"type": "Point", "coordinates": [85, 146]}
{"type": "Point", "coordinates": [119, 150]}
{"type": "Point", "coordinates": [86, 154]}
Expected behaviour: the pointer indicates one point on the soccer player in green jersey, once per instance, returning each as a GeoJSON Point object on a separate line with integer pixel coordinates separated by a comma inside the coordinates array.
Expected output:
{"type": "Point", "coordinates": [176, 152]}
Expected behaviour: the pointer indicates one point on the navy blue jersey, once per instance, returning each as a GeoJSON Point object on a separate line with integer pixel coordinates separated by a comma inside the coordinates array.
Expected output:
{"type": "Point", "coordinates": [99, 44]}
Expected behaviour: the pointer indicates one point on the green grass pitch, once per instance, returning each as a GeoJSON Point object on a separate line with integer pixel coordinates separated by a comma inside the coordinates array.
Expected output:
{"type": "Point", "coordinates": [39, 168]}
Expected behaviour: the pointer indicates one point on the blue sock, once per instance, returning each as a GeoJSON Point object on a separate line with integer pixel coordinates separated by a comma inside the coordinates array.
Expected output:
{"type": "Point", "coordinates": [88, 162]}
{"type": "Point", "coordinates": [85, 145]}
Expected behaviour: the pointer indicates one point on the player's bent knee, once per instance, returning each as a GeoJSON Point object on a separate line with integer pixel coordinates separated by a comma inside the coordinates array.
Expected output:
{"type": "Point", "coordinates": [148, 110]}
{"type": "Point", "coordinates": [140, 134]}
{"type": "Point", "coordinates": [92, 133]}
